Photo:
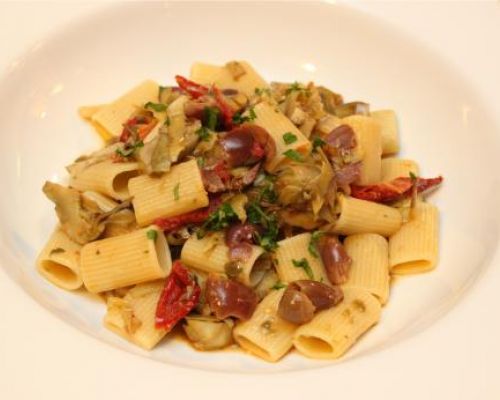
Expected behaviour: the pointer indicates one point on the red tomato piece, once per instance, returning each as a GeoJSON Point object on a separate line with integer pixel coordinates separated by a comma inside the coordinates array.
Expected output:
{"type": "Point", "coordinates": [180, 295]}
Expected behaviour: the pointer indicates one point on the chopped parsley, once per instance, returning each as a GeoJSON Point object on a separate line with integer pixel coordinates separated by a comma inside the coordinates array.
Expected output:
{"type": "Point", "coordinates": [289, 138]}
{"type": "Point", "coordinates": [315, 236]}
{"type": "Point", "coordinates": [261, 91]}
{"type": "Point", "coordinates": [238, 118]}
{"type": "Point", "coordinates": [294, 87]}
{"type": "Point", "coordinates": [176, 191]}
{"type": "Point", "coordinates": [201, 162]}
{"type": "Point", "coordinates": [413, 177]}
{"type": "Point", "coordinates": [210, 118]}
{"type": "Point", "coordinates": [293, 155]}
{"type": "Point", "coordinates": [167, 122]}
{"type": "Point", "coordinates": [266, 184]}
{"type": "Point", "coordinates": [152, 234]}
{"type": "Point", "coordinates": [128, 150]}
{"type": "Point", "coordinates": [219, 219]}
{"type": "Point", "coordinates": [318, 142]}
{"type": "Point", "coordinates": [158, 107]}
{"type": "Point", "coordinates": [278, 285]}
{"type": "Point", "coordinates": [256, 215]}
{"type": "Point", "coordinates": [304, 264]}
{"type": "Point", "coordinates": [204, 134]}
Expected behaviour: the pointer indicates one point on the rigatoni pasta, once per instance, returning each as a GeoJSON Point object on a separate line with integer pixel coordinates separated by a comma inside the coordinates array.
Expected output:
{"type": "Point", "coordinates": [361, 216]}
{"type": "Point", "coordinates": [106, 177]}
{"type": "Point", "coordinates": [125, 260]}
{"type": "Point", "coordinates": [370, 264]}
{"type": "Point", "coordinates": [177, 192]}
{"type": "Point", "coordinates": [59, 261]}
{"type": "Point", "coordinates": [414, 248]}
{"type": "Point", "coordinates": [266, 334]}
{"type": "Point", "coordinates": [332, 332]}
{"type": "Point", "coordinates": [251, 213]}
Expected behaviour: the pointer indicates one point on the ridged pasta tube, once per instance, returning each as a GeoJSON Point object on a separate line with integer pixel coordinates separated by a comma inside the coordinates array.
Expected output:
{"type": "Point", "coordinates": [266, 335]}
{"type": "Point", "coordinates": [133, 316]}
{"type": "Point", "coordinates": [125, 260]}
{"type": "Point", "coordinates": [59, 261]}
{"type": "Point", "coordinates": [393, 168]}
{"type": "Point", "coordinates": [361, 216]}
{"type": "Point", "coordinates": [370, 264]}
{"type": "Point", "coordinates": [289, 257]}
{"type": "Point", "coordinates": [106, 177]}
{"type": "Point", "coordinates": [211, 254]}
{"type": "Point", "coordinates": [332, 332]}
{"type": "Point", "coordinates": [109, 119]}
{"type": "Point", "coordinates": [369, 147]}
{"type": "Point", "coordinates": [414, 248]}
{"type": "Point", "coordinates": [277, 124]}
{"type": "Point", "coordinates": [388, 130]}
{"type": "Point", "coordinates": [176, 192]}
{"type": "Point", "coordinates": [224, 77]}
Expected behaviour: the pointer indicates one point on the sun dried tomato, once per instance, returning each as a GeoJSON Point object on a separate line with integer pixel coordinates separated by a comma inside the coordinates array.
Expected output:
{"type": "Point", "coordinates": [394, 190]}
{"type": "Point", "coordinates": [195, 90]}
{"type": "Point", "coordinates": [225, 109]}
{"type": "Point", "coordinates": [180, 295]}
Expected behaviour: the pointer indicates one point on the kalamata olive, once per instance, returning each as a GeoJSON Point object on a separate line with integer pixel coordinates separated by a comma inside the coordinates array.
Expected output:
{"type": "Point", "coordinates": [229, 92]}
{"type": "Point", "coordinates": [247, 144]}
{"type": "Point", "coordinates": [228, 298]}
{"type": "Point", "coordinates": [321, 295]}
{"type": "Point", "coordinates": [239, 233]}
{"type": "Point", "coordinates": [341, 137]}
{"type": "Point", "coordinates": [335, 259]}
{"type": "Point", "coordinates": [296, 307]}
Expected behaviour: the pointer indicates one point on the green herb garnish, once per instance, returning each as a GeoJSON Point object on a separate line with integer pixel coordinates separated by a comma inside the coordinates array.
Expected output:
{"type": "Point", "coordinates": [152, 234]}
{"type": "Point", "coordinates": [289, 138]}
{"type": "Point", "coordinates": [204, 134]}
{"type": "Point", "coordinates": [315, 236]}
{"type": "Point", "coordinates": [278, 285]}
{"type": "Point", "coordinates": [304, 264]}
{"type": "Point", "coordinates": [158, 107]}
{"type": "Point", "coordinates": [176, 191]}
{"type": "Point", "coordinates": [261, 91]}
{"type": "Point", "coordinates": [413, 177]}
{"type": "Point", "coordinates": [128, 150]}
{"type": "Point", "coordinates": [218, 220]}
{"type": "Point", "coordinates": [167, 122]}
{"type": "Point", "coordinates": [318, 142]}
{"type": "Point", "coordinates": [201, 162]}
{"type": "Point", "coordinates": [294, 87]}
{"type": "Point", "coordinates": [238, 118]}
{"type": "Point", "coordinates": [256, 215]}
{"type": "Point", "coordinates": [293, 155]}
{"type": "Point", "coordinates": [210, 118]}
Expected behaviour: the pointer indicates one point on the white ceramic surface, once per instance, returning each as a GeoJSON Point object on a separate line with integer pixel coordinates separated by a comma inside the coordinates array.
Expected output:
{"type": "Point", "coordinates": [443, 126]}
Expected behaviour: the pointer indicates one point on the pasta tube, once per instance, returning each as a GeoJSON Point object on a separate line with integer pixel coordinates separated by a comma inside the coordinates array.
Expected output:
{"type": "Point", "coordinates": [266, 335]}
{"type": "Point", "coordinates": [414, 248]}
{"type": "Point", "coordinates": [109, 119]}
{"type": "Point", "coordinates": [106, 177]}
{"type": "Point", "coordinates": [133, 316]}
{"type": "Point", "coordinates": [332, 332]}
{"type": "Point", "coordinates": [176, 192]}
{"type": "Point", "coordinates": [388, 130]}
{"type": "Point", "coordinates": [59, 261]}
{"type": "Point", "coordinates": [361, 216]}
{"type": "Point", "coordinates": [293, 260]}
{"type": "Point", "coordinates": [369, 147]}
{"type": "Point", "coordinates": [370, 264]}
{"type": "Point", "coordinates": [125, 260]}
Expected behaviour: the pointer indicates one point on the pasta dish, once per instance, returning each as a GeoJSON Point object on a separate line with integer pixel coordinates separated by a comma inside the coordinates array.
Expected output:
{"type": "Point", "coordinates": [268, 217]}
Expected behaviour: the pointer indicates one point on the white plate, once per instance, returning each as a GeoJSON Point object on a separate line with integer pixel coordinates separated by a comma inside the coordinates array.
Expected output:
{"type": "Point", "coordinates": [100, 57]}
